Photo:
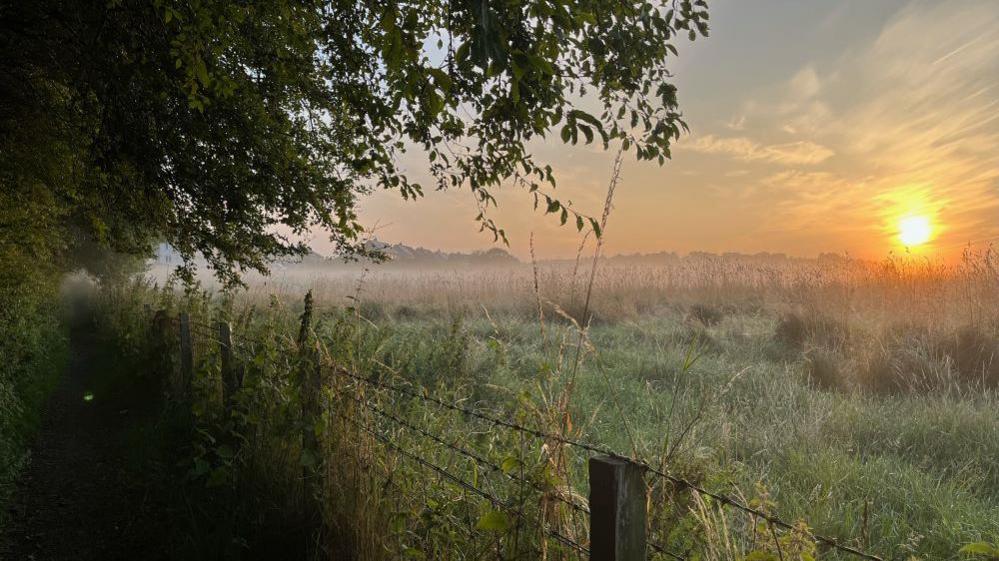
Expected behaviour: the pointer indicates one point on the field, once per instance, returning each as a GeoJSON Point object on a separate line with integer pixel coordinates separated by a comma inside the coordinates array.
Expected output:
{"type": "Point", "coordinates": [857, 397]}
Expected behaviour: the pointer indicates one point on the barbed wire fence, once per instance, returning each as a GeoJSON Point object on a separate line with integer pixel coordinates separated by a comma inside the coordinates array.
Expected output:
{"type": "Point", "coordinates": [602, 528]}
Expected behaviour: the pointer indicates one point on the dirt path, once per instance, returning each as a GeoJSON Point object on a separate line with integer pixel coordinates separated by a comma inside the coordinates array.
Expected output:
{"type": "Point", "coordinates": [85, 496]}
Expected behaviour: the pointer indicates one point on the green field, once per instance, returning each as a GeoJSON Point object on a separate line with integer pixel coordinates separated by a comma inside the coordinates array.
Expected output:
{"type": "Point", "coordinates": [857, 398]}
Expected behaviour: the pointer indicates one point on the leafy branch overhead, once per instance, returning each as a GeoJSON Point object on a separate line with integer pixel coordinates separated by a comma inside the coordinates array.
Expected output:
{"type": "Point", "coordinates": [229, 129]}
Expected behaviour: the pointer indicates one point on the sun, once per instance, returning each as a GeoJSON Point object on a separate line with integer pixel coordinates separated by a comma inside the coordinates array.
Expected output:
{"type": "Point", "coordinates": [914, 230]}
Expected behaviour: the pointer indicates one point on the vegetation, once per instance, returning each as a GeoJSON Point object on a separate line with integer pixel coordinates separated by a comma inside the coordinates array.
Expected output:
{"type": "Point", "coordinates": [208, 124]}
{"type": "Point", "coordinates": [32, 354]}
{"type": "Point", "coordinates": [439, 414]}
{"type": "Point", "coordinates": [779, 394]}
{"type": "Point", "coordinates": [230, 129]}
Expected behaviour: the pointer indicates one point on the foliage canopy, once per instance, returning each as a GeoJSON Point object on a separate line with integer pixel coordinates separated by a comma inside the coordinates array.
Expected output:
{"type": "Point", "coordinates": [228, 128]}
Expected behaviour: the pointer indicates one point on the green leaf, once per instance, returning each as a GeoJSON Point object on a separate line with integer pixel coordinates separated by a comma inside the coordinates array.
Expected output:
{"type": "Point", "coordinates": [596, 227]}
{"type": "Point", "coordinates": [510, 464]}
{"type": "Point", "coordinates": [585, 117]}
{"type": "Point", "coordinates": [493, 521]}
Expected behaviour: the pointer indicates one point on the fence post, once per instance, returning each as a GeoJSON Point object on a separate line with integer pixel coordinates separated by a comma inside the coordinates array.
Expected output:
{"type": "Point", "coordinates": [309, 398]}
{"type": "Point", "coordinates": [228, 371]}
{"type": "Point", "coordinates": [617, 510]}
{"type": "Point", "coordinates": [161, 347]}
{"type": "Point", "coordinates": [186, 354]}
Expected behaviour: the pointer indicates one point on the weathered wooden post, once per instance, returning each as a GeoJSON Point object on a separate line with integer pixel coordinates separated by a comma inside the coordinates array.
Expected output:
{"type": "Point", "coordinates": [309, 396]}
{"type": "Point", "coordinates": [617, 510]}
{"type": "Point", "coordinates": [160, 346]}
{"type": "Point", "coordinates": [186, 354]}
{"type": "Point", "coordinates": [228, 370]}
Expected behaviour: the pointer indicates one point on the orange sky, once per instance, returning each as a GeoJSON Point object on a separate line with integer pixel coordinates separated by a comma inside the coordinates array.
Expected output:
{"type": "Point", "coordinates": [816, 126]}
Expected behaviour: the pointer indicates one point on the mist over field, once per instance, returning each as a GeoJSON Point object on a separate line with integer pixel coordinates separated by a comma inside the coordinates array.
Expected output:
{"type": "Point", "coordinates": [504, 280]}
{"type": "Point", "coordinates": [859, 396]}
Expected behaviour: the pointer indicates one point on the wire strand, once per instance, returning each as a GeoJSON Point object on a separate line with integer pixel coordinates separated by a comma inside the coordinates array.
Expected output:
{"type": "Point", "coordinates": [496, 501]}
{"type": "Point", "coordinates": [831, 542]}
{"type": "Point", "coordinates": [682, 482]}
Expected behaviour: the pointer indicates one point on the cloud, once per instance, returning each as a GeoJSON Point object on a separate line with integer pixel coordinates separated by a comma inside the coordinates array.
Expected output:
{"type": "Point", "coordinates": [737, 123]}
{"type": "Point", "coordinates": [805, 84]}
{"type": "Point", "coordinates": [904, 118]}
{"type": "Point", "coordinates": [912, 117]}
{"type": "Point", "coordinates": [801, 152]}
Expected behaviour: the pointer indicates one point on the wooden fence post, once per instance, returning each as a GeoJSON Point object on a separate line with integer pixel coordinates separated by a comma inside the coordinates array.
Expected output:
{"type": "Point", "coordinates": [228, 370]}
{"type": "Point", "coordinates": [161, 347]}
{"type": "Point", "coordinates": [309, 359]}
{"type": "Point", "coordinates": [617, 510]}
{"type": "Point", "coordinates": [186, 354]}
{"type": "Point", "coordinates": [308, 388]}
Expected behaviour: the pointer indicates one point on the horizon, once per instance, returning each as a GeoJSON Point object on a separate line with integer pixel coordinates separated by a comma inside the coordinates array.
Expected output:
{"type": "Point", "coordinates": [166, 256]}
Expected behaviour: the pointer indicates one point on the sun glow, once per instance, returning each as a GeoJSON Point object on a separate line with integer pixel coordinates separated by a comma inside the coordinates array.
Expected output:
{"type": "Point", "coordinates": [914, 230]}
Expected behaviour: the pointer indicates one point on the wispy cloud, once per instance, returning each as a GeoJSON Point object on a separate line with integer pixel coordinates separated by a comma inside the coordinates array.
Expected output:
{"type": "Point", "coordinates": [899, 114]}
{"type": "Point", "coordinates": [913, 119]}
{"type": "Point", "coordinates": [801, 152]}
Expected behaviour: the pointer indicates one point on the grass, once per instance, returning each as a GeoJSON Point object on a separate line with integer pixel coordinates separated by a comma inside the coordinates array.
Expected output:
{"type": "Point", "coordinates": [922, 462]}
{"type": "Point", "coordinates": [858, 398]}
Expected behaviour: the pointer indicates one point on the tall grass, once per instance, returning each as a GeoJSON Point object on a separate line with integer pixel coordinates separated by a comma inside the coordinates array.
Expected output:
{"type": "Point", "coordinates": [859, 398]}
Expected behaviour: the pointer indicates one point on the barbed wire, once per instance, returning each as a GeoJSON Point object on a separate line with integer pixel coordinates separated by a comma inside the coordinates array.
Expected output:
{"type": "Point", "coordinates": [682, 482]}
{"type": "Point", "coordinates": [676, 480]}
{"type": "Point", "coordinates": [471, 455]}
{"type": "Point", "coordinates": [493, 499]}
{"type": "Point", "coordinates": [660, 549]}
{"type": "Point", "coordinates": [492, 466]}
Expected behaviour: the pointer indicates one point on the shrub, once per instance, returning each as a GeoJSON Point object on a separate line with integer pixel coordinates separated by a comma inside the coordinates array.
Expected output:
{"type": "Point", "coordinates": [33, 352]}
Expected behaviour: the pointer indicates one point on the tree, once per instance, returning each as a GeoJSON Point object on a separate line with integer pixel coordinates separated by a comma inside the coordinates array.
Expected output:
{"type": "Point", "coordinates": [210, 123]}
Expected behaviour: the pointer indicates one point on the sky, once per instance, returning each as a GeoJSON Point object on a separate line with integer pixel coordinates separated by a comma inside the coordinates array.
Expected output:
{"type": "Point", "coordinates": [816, 126]}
